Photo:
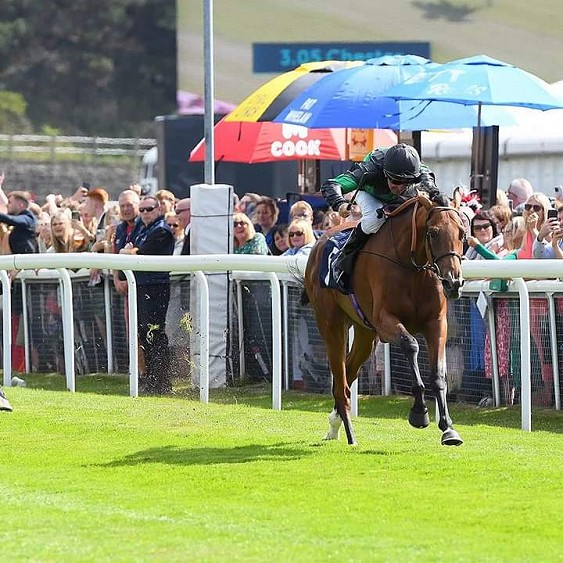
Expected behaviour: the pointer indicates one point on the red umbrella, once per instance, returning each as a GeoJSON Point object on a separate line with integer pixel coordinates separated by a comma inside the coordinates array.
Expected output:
{"type": "Point", "coordinates": [264, 141]}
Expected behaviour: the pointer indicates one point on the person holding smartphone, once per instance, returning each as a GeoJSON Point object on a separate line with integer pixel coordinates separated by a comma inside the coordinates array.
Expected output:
{"type": "Point", "coordinates": [549, 241]}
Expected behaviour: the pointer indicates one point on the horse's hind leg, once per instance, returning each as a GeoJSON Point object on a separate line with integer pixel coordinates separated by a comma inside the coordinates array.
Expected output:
{"type": "Point", "coordinates": [344, 374]}
{"type": "Point", "coordinates": [335, 338]}
{"type": "Point", "coordinates": [362, 345]}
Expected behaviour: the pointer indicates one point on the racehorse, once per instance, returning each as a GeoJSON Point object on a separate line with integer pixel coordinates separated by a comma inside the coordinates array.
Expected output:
{"type": "Point", "coordinates": [401, 280]}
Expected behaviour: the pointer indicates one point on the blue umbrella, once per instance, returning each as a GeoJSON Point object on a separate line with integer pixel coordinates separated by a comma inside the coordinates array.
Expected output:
{"type": "Point", "coordinates": [479, 81]}
{"type": "Point", "coordinates": [356, 97]}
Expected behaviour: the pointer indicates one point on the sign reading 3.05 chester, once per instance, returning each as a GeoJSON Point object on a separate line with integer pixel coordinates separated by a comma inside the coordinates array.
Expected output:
{"type": "Point", "coordinates": [281, 57]}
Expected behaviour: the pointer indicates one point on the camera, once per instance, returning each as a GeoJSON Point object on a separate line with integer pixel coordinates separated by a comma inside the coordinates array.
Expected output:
{"type": "Point", "coordinates": [552, 213]}
{"type": "Point", "coordinates": [75, 215]}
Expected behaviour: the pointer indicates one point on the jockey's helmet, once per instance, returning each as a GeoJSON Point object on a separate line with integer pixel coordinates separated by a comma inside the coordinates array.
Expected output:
{"type": "Point", "coordinates": [402, 163]}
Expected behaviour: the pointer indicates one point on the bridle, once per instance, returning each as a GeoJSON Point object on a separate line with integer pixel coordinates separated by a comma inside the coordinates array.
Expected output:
{"type": "Point", "coordinates": [432, 260]}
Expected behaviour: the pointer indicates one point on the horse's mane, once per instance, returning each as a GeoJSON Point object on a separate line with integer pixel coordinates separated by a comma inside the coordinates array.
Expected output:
{"type": "Point", "coordinates": [397, 209]}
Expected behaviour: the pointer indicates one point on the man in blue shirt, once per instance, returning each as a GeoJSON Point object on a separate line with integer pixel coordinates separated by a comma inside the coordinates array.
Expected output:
{"type": "Point", "coordinates": [153, 295]}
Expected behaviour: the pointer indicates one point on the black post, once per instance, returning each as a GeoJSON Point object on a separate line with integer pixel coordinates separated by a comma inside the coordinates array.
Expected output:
{"type": "Point", "coordinates": [484, 164]}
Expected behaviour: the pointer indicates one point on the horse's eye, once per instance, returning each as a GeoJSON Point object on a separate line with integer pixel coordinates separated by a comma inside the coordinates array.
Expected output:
{"type": "Point", "coordinates": [432, 234]}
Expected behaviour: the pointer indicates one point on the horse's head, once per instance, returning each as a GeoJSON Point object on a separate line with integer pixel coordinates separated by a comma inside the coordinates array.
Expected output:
{"type": "Point", "coordinates": [445, 234]}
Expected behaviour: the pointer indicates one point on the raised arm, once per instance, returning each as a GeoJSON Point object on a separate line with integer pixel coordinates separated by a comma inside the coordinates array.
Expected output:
{"type": "Point", "coordinates": [3, 196]}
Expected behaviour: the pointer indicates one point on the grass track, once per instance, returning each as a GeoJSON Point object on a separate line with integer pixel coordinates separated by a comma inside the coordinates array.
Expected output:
{"type": "Point", "coordinates": [91, 477]}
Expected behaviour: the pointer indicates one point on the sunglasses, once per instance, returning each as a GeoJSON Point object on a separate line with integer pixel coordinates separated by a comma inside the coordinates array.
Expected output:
{"type": "Point", "coordinates": [178, 211]}
{"type": "Point", "coordinates": [296, 234]}
{"type": "Point", "coordinates": [240, 224]}
{"type": "Point", "coordinates": [174, 225]}
{"type": "Point", "coordinates": [535, 207]}
{"type": "Point", "coordinates": [147, 209]}
{"type": "Point", "coordinates": [395, 182]}
{"type": "Point", "coordinates": [481, 227]}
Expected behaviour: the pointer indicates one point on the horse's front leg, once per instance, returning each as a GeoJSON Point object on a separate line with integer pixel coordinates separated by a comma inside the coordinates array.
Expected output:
{"type": "Point", "coordinates": [436, 340]}
{"type": "Point", "coordinates": [418, 415]}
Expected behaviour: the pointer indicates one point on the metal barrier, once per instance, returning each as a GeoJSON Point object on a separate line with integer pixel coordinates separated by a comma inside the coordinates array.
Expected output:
{"type": "Point", "coordinates": [265, 268]}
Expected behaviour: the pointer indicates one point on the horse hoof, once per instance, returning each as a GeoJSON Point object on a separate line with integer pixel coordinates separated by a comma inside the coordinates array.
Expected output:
{"type": "Point", "coordinates": [331, 436]}
{"type": "Point", "coordinates": [419, 419]}
{"type": "Point", "coordinates": [5, 405]}
{"type": "Point", "coordinates": [451, 438]}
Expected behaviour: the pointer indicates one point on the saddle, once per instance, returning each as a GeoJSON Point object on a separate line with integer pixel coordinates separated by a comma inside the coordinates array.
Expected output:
{"type": "Point", "coordinates": [337, 241]}
{"type": "Point", "coordinates": [331, 250]}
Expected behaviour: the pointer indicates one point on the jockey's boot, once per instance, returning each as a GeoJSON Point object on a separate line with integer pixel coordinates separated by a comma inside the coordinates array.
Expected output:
{"type": "Point", "coordinates": [344, 262]}
{"type": "Point", "coordinates": [4, 403]}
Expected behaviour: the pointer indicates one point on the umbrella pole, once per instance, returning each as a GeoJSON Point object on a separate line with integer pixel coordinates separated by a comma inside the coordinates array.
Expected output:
{"type": "Point", "coordinates": [301, 176]}
{"type": "Point", "coordinates": [477, 177]}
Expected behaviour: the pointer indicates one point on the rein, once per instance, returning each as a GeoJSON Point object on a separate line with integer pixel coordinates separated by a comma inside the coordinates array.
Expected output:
{"type": "Point", "coordinates": [430, 265]}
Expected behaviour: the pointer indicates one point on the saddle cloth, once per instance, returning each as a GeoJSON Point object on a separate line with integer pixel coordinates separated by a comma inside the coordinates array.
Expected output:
{"type": "Point", "coordinates": [332, 247]}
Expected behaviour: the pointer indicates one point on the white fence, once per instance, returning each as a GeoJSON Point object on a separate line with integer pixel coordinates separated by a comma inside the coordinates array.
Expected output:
{"type": "Point", "coordinates": [58, 145]}
{"type": "Point", "coordinates": [264, 267]}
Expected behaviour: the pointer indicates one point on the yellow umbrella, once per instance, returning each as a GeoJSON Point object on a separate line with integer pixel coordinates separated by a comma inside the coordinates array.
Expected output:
{"type": "Point", "coordinates": [265, 103]}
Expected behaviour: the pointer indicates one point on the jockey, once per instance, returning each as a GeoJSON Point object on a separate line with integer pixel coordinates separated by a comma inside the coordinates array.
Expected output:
{"type": "Point", "coordinates": [386, 176]}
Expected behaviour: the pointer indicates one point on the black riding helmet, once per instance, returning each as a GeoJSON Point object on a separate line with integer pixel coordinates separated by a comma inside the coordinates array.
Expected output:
{"type": "Point", "coordinates": [402, 163]}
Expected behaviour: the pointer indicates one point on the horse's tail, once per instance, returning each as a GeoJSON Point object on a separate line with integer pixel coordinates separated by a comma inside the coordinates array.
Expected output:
{"type": "Point", "coordinates": [299, 277]}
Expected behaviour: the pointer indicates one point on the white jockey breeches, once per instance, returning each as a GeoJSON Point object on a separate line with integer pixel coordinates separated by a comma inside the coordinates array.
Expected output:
{"type": "Point", "coordinates": [369, 205]}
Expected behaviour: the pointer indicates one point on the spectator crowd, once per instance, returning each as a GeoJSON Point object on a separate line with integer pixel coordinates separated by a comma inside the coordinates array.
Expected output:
{"type": "Point", "coordinates": [522, 224]}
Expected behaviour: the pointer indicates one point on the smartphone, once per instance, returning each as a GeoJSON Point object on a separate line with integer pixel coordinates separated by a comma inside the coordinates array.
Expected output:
{"type": "Point", "coordinates": [552, 214]}
{"type": "Point", "coordinates": [86, 185]}
{"type": "Point", "coordinates": [75, 215]}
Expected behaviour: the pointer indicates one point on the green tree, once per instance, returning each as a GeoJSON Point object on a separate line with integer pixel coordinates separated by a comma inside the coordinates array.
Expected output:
{"type": "Point", "coordinates": [105, 67]}
{"type": "Point", "coordinates": [13, 119]}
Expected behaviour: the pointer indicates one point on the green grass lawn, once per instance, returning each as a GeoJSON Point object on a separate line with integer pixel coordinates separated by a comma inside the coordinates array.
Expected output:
{"type": "Point", "coordinates": [98, 475]}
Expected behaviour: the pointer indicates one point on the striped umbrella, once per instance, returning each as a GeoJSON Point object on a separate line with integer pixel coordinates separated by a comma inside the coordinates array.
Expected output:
{"type": "Point", "coordinates": [265, 103]}
{"type": "Point", "coordinates": [264, 141]}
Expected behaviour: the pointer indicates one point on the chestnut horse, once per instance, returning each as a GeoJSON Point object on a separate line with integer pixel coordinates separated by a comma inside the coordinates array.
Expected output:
{"type": "Point", "coordinates": [401, 280]}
